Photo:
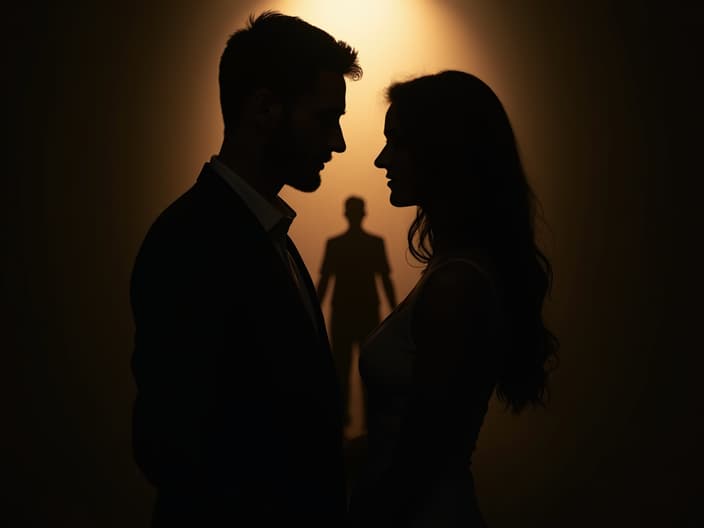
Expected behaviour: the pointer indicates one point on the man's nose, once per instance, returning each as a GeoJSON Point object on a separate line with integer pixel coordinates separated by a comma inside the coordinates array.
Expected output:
{"type": "Point", "coordinates": [337, 140]}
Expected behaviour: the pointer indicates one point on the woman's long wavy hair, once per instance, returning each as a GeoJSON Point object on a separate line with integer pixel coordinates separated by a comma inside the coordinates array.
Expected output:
{"type": "Point", "coordinates": [460, 137]}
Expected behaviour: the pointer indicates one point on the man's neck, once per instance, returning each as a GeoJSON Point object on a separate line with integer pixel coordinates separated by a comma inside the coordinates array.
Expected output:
{"type": "Point", "coordinates": [244, 161]}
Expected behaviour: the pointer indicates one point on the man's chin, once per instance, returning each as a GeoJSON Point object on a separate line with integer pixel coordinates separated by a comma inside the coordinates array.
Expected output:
{"type": "Point", "coordinates": [308, 184]}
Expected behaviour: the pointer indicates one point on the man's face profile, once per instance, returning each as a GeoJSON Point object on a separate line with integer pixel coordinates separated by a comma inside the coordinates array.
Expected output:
{"type": "Point", "coordinates": [310, 132]}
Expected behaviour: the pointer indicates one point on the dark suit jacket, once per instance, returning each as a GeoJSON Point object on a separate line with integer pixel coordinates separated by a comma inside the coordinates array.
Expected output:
{"type": "Point", "coordinates": [237, 413]}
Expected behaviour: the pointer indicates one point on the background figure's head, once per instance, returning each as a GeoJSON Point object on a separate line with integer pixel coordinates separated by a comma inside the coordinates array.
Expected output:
{"type": "Point", "coordinates": [451, 151]}
{"type": "Point", "coordinates": [354, 210]}
{"type": "Point", "coordinates": [282, 81]}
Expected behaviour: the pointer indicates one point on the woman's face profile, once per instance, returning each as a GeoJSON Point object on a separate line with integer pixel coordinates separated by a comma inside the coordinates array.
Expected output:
{"type": "Point", "coordinates": [396, 157]}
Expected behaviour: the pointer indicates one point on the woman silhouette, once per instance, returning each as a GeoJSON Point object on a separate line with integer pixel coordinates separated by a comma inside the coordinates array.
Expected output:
{"type": "Point", "coordinates": [473, 323]}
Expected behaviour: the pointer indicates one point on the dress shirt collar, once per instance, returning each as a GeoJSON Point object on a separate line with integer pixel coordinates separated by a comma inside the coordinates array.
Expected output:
{"type": "Point", "coordinates": [276, 218]}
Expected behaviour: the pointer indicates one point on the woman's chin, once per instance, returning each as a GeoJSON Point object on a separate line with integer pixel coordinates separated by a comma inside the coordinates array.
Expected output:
{"type": "Point", "coordinates": [399, 201]}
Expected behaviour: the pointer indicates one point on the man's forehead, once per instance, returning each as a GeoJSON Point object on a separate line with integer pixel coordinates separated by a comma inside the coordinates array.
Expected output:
{"type": "Point", "coordinates": [328, 91]}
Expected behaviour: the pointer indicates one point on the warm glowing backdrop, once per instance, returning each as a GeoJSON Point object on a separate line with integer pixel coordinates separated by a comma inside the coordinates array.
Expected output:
{"type": "Point", "coordinates": [113, 108]}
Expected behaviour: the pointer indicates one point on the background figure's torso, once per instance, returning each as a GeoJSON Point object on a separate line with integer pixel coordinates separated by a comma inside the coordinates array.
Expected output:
{"type": "Point", "coordinates": [386, 367]}
{"type": "Point", "coordinates": [355, 259]}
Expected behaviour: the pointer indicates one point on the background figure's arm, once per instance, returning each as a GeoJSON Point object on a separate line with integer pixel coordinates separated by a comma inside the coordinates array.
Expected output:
{"type": "Point", "coordinates": [325, 272]}
{"type": "Point", "coordinates": [323, 286]}
{"type": "Point", "coordinates": [389, 289]}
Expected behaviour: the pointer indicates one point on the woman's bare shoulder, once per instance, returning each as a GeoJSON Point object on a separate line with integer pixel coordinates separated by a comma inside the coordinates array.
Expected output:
{"type": "Point", "coordinates": [455, 287]}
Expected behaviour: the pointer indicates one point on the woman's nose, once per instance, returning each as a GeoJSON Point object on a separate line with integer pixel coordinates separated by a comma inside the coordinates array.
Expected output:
{"type": "Point", "coordinates": [380, 161]}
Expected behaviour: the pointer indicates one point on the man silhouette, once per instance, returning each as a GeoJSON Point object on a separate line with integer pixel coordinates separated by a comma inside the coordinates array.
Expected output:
{"type": "Point", "coordinates": [354, 258]}
{"type": "Point", "coordinates": [237, 416]}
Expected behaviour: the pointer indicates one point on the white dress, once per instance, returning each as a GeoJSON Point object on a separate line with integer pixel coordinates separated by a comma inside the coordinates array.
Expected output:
{"type": "Point", "coordinates": [423, 478]}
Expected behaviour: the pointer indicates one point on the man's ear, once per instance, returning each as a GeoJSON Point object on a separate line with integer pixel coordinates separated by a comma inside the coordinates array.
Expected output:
{"type": "Point", "coordinates": [266, 109]}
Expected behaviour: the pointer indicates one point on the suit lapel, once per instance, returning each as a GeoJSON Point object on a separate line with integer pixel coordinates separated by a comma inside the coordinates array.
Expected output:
{"type": "Point", "coordinates": [322, 331]}
{"type": "Point", "coordinates": [242, 219]}
{"type": "Point", "coordinates": [237, 218]}
{"type": "Point", "coordinates": [310, 291]}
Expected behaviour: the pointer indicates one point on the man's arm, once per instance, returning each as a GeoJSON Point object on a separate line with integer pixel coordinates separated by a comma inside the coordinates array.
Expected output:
{"type": "Point", "coordinates": [176, 347]}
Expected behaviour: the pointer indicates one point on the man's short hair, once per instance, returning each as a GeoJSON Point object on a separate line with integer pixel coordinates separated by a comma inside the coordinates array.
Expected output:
{"type": "Point", "coordinates": [354, 204]}
{"type": "Point", "coordinates": [282, 53]}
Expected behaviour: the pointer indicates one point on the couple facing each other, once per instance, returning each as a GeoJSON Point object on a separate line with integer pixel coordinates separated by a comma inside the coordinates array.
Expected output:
{"type": "Point", "coordinates": [237, 416]}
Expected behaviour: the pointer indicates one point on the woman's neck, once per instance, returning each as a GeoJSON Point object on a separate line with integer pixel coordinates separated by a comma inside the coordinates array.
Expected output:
{"type": "Point", "coordinates": [453, 240]}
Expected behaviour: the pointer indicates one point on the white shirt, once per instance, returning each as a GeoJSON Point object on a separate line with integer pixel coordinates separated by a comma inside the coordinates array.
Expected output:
{"type": "Point", "coordinates": [274, 218]}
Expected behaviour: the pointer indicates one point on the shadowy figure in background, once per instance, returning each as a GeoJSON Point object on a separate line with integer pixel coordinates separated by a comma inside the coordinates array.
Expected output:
{"type": "Point", "coordinates": [354, 259]}
{"type": "Point", "coordinates": [237, 417]}
{"type": "Point", "coordinates": [473, 322]}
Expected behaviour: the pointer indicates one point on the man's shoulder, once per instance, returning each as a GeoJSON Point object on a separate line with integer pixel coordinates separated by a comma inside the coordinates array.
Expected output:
{"type": "Point", "coordinates": [200, 219]}
{"type": "Point", "coordinates": [336, 240]}
{"type": "Point", "coordinates": [208, 202]}
{"type": "Point", "coordinates": [374, 238]}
